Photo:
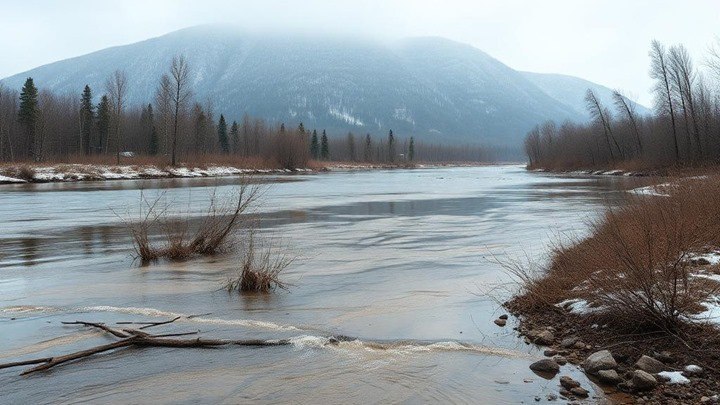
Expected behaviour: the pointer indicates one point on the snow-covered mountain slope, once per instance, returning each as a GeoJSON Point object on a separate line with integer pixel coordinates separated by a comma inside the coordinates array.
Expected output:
{"type": "Point", "coordinates": [435, 89]}
{"type": "Point", "coordinates": [571, 90]}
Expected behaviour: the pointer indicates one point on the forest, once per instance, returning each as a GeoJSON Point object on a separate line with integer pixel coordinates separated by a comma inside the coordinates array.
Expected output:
{"type": "Point", "coordinates": [683, 131]}
{"type": "Point", "coordinates": [97, 125]}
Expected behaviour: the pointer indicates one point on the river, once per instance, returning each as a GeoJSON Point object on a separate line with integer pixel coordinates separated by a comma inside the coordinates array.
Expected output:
{"type": "Point", "coordinates": [403, 261]}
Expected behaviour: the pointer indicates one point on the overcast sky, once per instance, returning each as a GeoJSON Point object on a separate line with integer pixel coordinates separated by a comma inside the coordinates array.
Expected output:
{"type": "Point", "coordinates": [603, 41]}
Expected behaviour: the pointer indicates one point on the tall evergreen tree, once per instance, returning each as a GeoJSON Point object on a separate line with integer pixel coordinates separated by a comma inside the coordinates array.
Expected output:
{"type": "Point", "coordinates": [314, 146]}
{"type": "Point", "coordinates": [411, 149]}
{"type": "Point", "coordinates": [223, 135]}
{"type": "Point", "coordinates": [391, 147]}
{"type": "Point", "coordinates": [86, 120]}
{"type": "Point", "coordinates": [28, 115]}
{"type": "Point", "coordinates": [151, 131]}
{"type": "Point", "coordinates": [301, 129]}
{"type": "Point", "coordinates": [324, 147]}
{"type": "Point", "coordinates": [103, 124]}
{"type": "Point", "coordinates": [367, 153]}
{"type": "Point", "coordinates": [235, 137]}
{"type": "Point", "coordinates": [351, 146]}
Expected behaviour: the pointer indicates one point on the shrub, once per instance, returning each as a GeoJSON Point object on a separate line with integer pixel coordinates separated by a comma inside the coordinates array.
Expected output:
{"type": "Point", "coordinates": [635, 267]}
{"type": "Point", "coordinates": [259, 272]}
{"type": "Point", "coordinates": [222, 218]}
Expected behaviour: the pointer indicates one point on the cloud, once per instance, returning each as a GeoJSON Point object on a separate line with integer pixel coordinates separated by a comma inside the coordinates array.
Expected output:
{"type": "Point", "coordinates": [602, 41]}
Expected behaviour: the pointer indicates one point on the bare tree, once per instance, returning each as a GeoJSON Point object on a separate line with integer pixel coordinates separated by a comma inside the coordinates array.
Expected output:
{"type": "Point", "coordinates": [179, 71]}
{"type": "Point", "coordinates": [628, 109]}
{"type": "Point", "coordinates": [163, 104]}
{"type": "Point", "coordinates": [599, 113]}
{"type": "Point", "coordinates": [683, 75]}
{"type": "Point", "coordinates": [116, 87]}
{"type": "Point", "coordinates": [659, 71]}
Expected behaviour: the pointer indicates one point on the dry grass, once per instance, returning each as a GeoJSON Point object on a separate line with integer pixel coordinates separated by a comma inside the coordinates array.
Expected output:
{"type": "Point", "coordinates": [222, 218]}
{"type": "Point", "coordinates": [259, 272]}
{"type": "Point", "coordinates": [635, 266]}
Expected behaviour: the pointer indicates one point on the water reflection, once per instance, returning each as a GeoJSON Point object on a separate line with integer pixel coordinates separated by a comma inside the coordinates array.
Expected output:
{"type": "Point", "coordinates": [394, 257]}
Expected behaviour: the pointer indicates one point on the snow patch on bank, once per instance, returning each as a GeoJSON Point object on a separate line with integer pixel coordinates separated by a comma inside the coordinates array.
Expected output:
{"type": "Point", "coordinates": [79, 172]}
{"type": "Point", "coordinates": [675, 377]}
{"type": "Point", "coordinates": [577, 306]}
{"type": "Point", "coordinates": [10, 180]}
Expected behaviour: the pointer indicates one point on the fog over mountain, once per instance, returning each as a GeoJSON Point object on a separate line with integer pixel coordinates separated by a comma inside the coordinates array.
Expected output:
{"type": "Point", "coordinates": [433, 88]}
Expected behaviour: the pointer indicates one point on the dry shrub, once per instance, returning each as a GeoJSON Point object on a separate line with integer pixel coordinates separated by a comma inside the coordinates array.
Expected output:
{"type": "Point", "coordinates": [24, 172]}
{"type": "Point", "coordinates": [259, 272]}
{"type": "Point", "coordinates": [635, 266]}
{"type": "Point", "coordinates": [222, 218]}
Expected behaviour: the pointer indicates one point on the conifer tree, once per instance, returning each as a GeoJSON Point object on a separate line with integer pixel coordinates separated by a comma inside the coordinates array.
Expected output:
{"type": "Point", "coordinates": [235, 137]}
{"type": "Point", "coordinates": [103, 123]}
{"type": "Point", "coordinates": [223, 135]}
{"type": "Point", "coordinates": [301, 129]}
{"type": "Point", "coordinates": [324, 147]}
{"type": "Point", "coordinates": [351, 146]}
{"type": "Point", "coordinates": [151, 131]}
{"type": "Point", "coordinates": [86, 120]}
{"type": "Point", "coordinates": [411, 151]}
{"type": "Point", "coordinates": [28, 115]}
{"type": "Point", "coordinates": [314, 146]}
{"type": "Point", "coordinates": [391, 147]}
{"type": "Point", "coordinates": [367, 153]}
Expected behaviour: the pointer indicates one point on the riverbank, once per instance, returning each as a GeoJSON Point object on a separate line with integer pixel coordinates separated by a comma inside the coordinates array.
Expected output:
{"type": "Point", "coordinates": [70, 172]}
{"type": "Point", "coordinates": [635, 304]}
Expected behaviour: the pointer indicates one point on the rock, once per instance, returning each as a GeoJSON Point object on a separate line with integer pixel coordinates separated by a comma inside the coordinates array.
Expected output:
{"type": "Point", "coordinates": [602, 360]}
{"type": "Point", "coordinates": [545, 366]}
{"type": "Point", "coordinates": [503, 316]}
{"type": "Point", "coordinates": [609, 377]}
{"type": "Point", "coordinates": [665, 357]}
{"type": "Point", "coordinates": [551, 397]}
{"type": "Point", "coordinates": [643, 381]}
{"type": "Point", "coordinates": [701, 261]}
{"type": "Point", "coordinates": [538, 399]}
{"type": "Point", "coordinates": [580, 392]}
{"type": "Point", "coordinates": [568, 383]}
{"type": "Point", "coordinates": [560, 360]}
{"type": "Point", "coordinates": [541, 337]}
{"type": "Point", "coordinates": [647, 363]}
{"type": "Point", "coordinates": [568, 342]}
{"type": "Point", "coordinates": [500, 322]}
{"type": "Point", "coordinates": [579, 345]}
{"type": "Point", "coordinates": [709, 400]}
{"type": "Point", "coordinates": [550, 352]}
{"type": "Point", "coordinates": [564, 392]}
{"type": "Point", "coordinates": [693, 370]}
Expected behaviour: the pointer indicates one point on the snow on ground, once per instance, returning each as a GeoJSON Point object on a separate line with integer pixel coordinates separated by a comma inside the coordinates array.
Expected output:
{"type": "Point", "coordinates": [711, 258]}
{"type": "Point", "coordinates": [8, 180]}
{"type": "Point", "coordinates": [655, 190]}
{"type": "Point", "coordinates": [577, 306]}
{"type": "Point", "coordinates": [77, 172]}
{"type": "Point", "coordinates": [675, 377]}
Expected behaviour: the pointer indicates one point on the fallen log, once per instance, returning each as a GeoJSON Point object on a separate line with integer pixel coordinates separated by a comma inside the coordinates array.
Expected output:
{"type": "Point", "coordinates": [137, 338]}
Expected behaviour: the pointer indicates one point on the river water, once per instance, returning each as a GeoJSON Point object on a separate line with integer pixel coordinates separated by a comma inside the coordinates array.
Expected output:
{"type": "Point", "coordinates": [404, 261]}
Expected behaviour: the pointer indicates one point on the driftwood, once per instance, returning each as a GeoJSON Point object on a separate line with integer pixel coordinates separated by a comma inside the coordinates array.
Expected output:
{"type": "Point", "coordinates": [137, 338]}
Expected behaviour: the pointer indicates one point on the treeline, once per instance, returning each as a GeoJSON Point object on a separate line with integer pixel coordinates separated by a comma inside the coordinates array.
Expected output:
{"type": "Point", "coordinates": [683, 131]}
{"type": "Point", "coordinates": [37, 125]}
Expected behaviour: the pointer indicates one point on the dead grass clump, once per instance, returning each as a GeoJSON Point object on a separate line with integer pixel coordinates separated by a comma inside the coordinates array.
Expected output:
{"type": "Point", "coordinates": [636, 265]}
{"type": "Point", "coordinates": [211, 236]}
{"type": "Point", "coordinates": [259, 272]}
{"type": "Point", "coordinates": [24, 172]}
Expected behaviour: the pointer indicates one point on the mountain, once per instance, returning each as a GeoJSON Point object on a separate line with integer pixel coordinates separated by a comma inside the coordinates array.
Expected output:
{"type": "Point", "coordinates": [570, 90]}
{"type": "Point", "coordinates": [433, 88]}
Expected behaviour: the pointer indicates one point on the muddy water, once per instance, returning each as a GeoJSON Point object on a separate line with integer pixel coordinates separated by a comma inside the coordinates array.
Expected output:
{"type": "Point", "coordinates": [402, 261]}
